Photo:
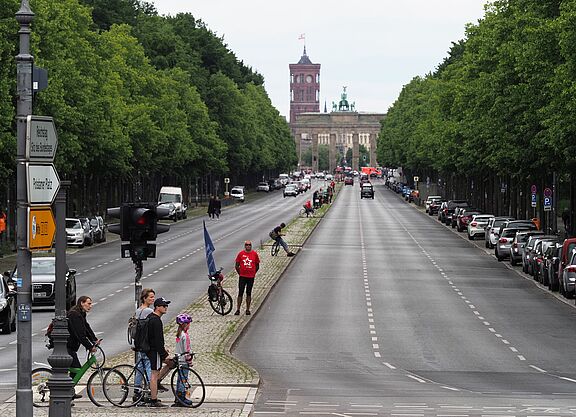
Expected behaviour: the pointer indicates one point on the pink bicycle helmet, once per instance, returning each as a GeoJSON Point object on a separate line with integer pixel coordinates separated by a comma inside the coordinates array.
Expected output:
{"type": "Point", "coordinates": [183, 318]}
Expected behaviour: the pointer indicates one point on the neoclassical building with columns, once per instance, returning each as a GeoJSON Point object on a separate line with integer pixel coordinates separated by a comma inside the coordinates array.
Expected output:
{"type": "Point", "coordinates": [340, 129]}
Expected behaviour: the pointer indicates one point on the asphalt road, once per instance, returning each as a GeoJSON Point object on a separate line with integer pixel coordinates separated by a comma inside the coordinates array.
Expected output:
{"type": "Point", "coordinates": [179, 273]}
{"type": "Point", "coordinates": [387, 312]}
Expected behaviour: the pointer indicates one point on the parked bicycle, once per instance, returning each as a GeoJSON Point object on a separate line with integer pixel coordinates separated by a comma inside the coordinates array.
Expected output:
{"type": "Point", "coordinates": [220, 300]}
{"type": "Point", "coordinates": [121, 390]}
{"type": "Point", "coordinates": [94, 360]}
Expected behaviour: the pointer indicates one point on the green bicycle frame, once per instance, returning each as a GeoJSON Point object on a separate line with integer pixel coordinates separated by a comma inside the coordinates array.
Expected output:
{"type": "Point", "coordinates": [81, 371]}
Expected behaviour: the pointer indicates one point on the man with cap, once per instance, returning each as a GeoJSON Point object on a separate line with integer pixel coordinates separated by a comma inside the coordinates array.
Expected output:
{"type": "Point", "coordinates": [158, 353]}
{"type": "Point", "coordinates": [247, 264]}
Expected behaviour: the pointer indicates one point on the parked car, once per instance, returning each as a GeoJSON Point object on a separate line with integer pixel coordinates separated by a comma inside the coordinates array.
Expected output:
{"type": "Point", "coordinates": [76, 234]}
{"type": "Point", "coordinates": [550, 262]}
{"type": "Point", "coordinates": [89, 241]}
{"type": "Point", "coordinates": [434, 207]}
{"type": "Point", "coordinates": [43, 279]}
{"type": "Point", "coordinates": [567, 284]}
{"type": "Point", "coordinates": [502, 248]}
{"type": "Point", "coordinates": [527, 224]}
{"type": "Point", "coordinates": [464, 217]}
{"type": "Point", "coordinates": [567, 247]}
{"type": "Point", "coordinates": [454, 217]}
{"type": "Point", "coordinates": [274, 184]}
{"type": "Point", "coordinates": [429, 200]}
{"type": "Point", "coordinates": [171, 197]}
{"type": "Point", "coordinates": [7, 307]}
{"type": "Point", "coordinates": [366, 190]}
{"type": "Point", "coordinates": [237, 193]}
{"type": "Point", "coordinates": [442, 210]}
{"type": "Point", "coordinates": [476, 226]}
{"type": "Point", "coordinates": [290, 190]}
{"type": "Point", "coordinates": [519, 243]}
{"type": "Point", "coordinates": [98, 229]}
{"type": "Point", "coordinates": [450, 207]}
{"type": "Point", "coordinates": [538, 257]}
{"type": "Point", "coordinates": [527, 252]}
{"type": "Point", "coordinates": [263, 186]}
{"type": "Point", "coordinates": [493, 229]}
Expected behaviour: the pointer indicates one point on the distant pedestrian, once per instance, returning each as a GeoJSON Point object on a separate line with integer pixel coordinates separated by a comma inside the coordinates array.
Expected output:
{"type": "Point", "coordinates": [247, 264]}
{"type": "Point", "coordinates": [2, 230]}
{"type": "Point", "coordinates": [211, 207]}
{"type": "Point", "coordinates": [217, 207]}
{"type": "Point", "coordinates": [566, 221]}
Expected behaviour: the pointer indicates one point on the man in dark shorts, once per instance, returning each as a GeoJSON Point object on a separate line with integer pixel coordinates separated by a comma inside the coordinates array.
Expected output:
{"type": "Point", "coordinates": [158, 354]}
{"type": "Point", "coordinates": [247, 264]}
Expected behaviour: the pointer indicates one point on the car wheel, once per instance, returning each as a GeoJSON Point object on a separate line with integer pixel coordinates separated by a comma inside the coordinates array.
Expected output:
{"type": "Point", "coordinates": [372, 197]}
{"type": "Point", "coordinates": [569, 295]}
{"type": "Point", "coordinates": [104, 237]}
{"type": "Point", "coordinates": [82, 244]}
{"type": "Point", "coordinates": [512, 261]}
{"type": "Point", "coordinates": [470, 237]}
{"type": "Point", "coordinates": [486, 244]}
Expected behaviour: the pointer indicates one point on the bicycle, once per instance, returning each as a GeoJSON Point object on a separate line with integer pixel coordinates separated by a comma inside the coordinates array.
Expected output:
{"type": "Point", "coordinates": [122, 391]}
{"type": "Point", "coordinates": [220, 300]}
{"type": "Point", "coordinates": [94, 360]}
{"type": "Point", "coordinates": [275, 248]}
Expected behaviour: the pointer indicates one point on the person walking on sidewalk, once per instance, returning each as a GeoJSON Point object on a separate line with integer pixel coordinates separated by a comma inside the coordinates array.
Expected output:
{"type": "Point", "coordinates": [247, 264]}
{"type": "Point", "coordinates": [277, 234]}
{"type": "Point", "coordinates": [183, 349]}
{"type": "Point", "coordinates": [158, 354]}
{"type": "Point", "coordinates": [217, 207]}
{"type": "Point", "coordinates": [211, 207]}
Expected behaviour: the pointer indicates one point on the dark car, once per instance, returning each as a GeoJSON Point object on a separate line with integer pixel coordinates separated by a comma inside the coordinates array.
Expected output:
{"type": "Point", "coordinates": [7, 307]}
{"type": "Point", "coordinates": [366, 190]}
{"type": "Point", "coordinates": [451, 205]}
{"type": "Point", "coordinates": [534, 256]}
{"type": "Point", "coordinates": [538, 259]}
{"type": "Point", "coordinates": [349, 181]}
{"type": "Point", "coordinates": [519, 243]}
{"type": "Point", "coordinates": [43, 279]}
{"type": "Point", "coordinates": [550, 266]}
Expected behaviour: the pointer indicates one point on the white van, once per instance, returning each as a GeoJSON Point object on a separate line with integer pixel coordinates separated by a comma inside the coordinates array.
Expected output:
{"type": "Point", "coordinates": [237, 193]}
{"type": "Point", "coordinates": [171, 198]}
{"type": "Point", "coordinates": [284, 179]}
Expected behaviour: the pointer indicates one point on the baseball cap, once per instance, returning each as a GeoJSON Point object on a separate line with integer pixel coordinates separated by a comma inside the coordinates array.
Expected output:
{"type": "Point", "coordinates": [161, 302]}
{"type": "Point", "coordinates": [248, 243]}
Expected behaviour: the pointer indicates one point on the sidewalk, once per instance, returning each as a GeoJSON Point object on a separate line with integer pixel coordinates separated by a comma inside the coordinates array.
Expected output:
{"type": "Point", "coordinates": [231, 386]}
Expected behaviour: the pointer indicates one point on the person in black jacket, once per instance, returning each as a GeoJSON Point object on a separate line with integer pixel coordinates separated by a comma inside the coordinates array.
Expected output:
{"type": "Point", "coordinates": [80, 332]}
{"type": "Point", "coordinates": [158, 354]}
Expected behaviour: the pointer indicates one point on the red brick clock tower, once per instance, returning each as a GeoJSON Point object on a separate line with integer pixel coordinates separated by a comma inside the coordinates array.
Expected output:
{"type": "Point", "coordinates": [304, 87]}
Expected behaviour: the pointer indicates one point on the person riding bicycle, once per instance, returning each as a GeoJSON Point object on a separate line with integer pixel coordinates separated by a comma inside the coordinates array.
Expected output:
{"type": "Point", "coordinates": [308, 208]}
{"type": "Point", "coordinates": [276, 234]}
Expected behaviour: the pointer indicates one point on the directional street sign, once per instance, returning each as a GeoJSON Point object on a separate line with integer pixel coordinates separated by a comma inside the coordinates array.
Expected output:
{"type": "Point", "coordinates": [41, 139]}
{"type": "Point", "coordinates": [41, 228]}
{"type": "Point", "coordinates": [42, 182]}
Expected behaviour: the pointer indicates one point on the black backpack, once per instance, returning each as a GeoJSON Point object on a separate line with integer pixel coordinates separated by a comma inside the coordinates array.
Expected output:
{"type": "Point", "coordinates": [138, 333]}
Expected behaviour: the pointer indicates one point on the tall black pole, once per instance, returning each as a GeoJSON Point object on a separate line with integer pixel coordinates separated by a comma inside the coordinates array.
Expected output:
{"type": "Point", "coordinates": [60, 383]}
{"type": "Point", "coordinates": [24, 62]}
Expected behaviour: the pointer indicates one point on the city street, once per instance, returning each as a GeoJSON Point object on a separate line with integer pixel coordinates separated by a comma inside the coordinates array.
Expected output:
{"type": "Point", "coordinates": [179, 273]}
{"type": "Point", "coordinates": [387, 312]}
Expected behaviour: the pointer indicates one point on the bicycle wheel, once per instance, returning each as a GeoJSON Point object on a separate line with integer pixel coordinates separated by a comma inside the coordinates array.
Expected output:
{"type": "Point", "coordinates": [120, 386]}
{"type": "Point", "coordinates": [95, 387]}
{"type": "Point", "coordinates": [302, 212]}
{"type": "Point", "coordinates": [40, 389]}
{"type": "Point", "coordinates": [100, 358]}
{"type": "Point", "coordinates": [275, 249]}
{"type": "Point", "coordinates": [187, 387]}
{"type": "Point", "coordinates": [223, 305]}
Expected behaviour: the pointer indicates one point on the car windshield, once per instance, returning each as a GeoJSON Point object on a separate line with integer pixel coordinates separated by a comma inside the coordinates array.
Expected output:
{"type": "Point", "coordinates": [509, 232]}
{"type": "Point", "coordinates": [169, 198]}
{"type": "Point", "coordinates": [73, 224]}
{"type": "Point", "coordinates": [41, 266]}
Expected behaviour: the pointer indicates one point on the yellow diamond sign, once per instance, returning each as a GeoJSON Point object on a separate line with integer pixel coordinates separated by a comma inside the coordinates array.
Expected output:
{"type": "Point", "coordinates": [41, 228]}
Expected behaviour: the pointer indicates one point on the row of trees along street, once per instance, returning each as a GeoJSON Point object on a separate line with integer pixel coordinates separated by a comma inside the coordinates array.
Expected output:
{"type": "Point", "coordinates": [497, 115]}
{"type": "Point", "coordinates": [139, 101]}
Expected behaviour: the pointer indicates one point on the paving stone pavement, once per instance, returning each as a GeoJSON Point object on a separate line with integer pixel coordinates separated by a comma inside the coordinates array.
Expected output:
{"type": "Point", "coordinates": [231, 385]}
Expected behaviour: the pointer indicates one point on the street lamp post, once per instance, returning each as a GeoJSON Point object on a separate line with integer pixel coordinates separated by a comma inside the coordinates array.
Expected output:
{"type": "Point", "coordinates": [24, 63]}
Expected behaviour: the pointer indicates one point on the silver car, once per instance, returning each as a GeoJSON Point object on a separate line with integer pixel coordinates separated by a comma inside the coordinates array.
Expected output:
{"type": "Point", "coordinates": [502, 247]}
{"type": "Point", "coordinates": [290, 190]}
{"type": "Point", "coordinates": [492, 229]}
{"type": "Point", "coordinates": [567, 284]}
{"type": "Point", "coordinates": [477, 225]}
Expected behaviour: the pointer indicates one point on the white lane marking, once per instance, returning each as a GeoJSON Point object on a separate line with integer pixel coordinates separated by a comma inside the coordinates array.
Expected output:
{"type": "Point", "coordinates": [415, 378]}
{"type": "Point", "coordinates": [567, 379]}
{"type": "Point", "coordinates": [513, 349]}
{"type": "Point", "coordinates": [389, 365]}
{"type": "Point", "coordinates": [538, 369]}
{"type": "Point", "coordinates": [450, 388]}
{"type": "Point", "coordinates": [375, 346]}
{"type": "Point", "coordinates": [522, 358]}
{"type": "Point", "coordinates": [377, 355]}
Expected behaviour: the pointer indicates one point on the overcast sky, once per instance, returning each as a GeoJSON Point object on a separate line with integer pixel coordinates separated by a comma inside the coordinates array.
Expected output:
{"type": "Point", "coordinates": [373, 47]}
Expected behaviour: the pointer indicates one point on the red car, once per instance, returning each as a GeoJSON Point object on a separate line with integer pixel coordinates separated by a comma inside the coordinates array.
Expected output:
{"type": "Point", "coordinates": [348, 181]}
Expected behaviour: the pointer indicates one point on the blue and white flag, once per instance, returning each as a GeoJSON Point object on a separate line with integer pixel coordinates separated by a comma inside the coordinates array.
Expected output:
{"type": "Point", "coordinates": [209, 246]}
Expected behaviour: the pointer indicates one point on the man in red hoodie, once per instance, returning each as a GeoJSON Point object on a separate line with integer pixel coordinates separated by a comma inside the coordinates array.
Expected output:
{"type": "Point", "coordinates": [247, 264]}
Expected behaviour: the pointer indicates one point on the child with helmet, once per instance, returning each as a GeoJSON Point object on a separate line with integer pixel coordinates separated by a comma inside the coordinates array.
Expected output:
{"type": "Point", "coordinates": [184, 357]}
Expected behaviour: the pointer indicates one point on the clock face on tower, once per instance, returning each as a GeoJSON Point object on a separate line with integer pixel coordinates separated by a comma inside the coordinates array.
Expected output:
{"type": "Point", "coordinates": [309, 79]}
